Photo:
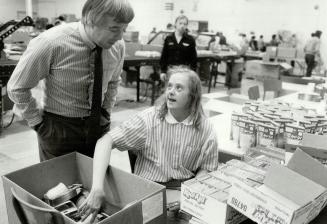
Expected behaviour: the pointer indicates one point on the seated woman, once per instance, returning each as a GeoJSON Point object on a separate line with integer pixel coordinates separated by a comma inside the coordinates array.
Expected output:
{"type": "Point", "coordinates": [173, 141]}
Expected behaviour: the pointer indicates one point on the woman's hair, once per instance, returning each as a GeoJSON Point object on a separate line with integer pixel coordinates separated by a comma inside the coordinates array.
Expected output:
{"type": "Point", "coordinates": [94, 10]}
{"type": "Point", "coordinates": [181, 17]}
{"type": "Point", "coordinates": [195, 107]}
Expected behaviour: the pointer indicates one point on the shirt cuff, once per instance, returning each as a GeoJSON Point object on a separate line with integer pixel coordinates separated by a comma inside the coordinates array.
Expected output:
{"type": "Point", "coordinates": [34, 121]}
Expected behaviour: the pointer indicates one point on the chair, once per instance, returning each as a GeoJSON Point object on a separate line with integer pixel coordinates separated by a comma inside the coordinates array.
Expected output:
{"type": "Point", "coordinates": [274, 85]}
{"type": "Point", "coordinates": [254, 93]}
{"type": "Point", "coordinates": [31, 214]}
{"type": "Point", "coordinates": [132, 160]}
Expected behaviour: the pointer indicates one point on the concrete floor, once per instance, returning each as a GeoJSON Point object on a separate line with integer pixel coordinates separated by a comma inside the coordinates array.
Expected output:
{"type": "Point", "coordinates": [18, 143]}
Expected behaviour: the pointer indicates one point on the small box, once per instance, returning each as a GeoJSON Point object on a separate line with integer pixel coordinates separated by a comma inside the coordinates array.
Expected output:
{"type": "Point", "coordinates": [314, 145]}
{"type": "Point", "coordinates": [286, 53]}
{"type": "Point", "coordinates": [290, 195]}
{"type": "Point", "coordinates": [206, 198]}
{"type": "Point", "coordinates": [136, 199]}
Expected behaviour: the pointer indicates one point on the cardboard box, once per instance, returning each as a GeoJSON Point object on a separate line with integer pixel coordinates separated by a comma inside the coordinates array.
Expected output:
{"type": "Point", "coordinates": [206, 198]}
{"type": "Point", "coordinates": [314, 145]}
{"type": "Point", "coordinates": [286, 53]}
{"type": "Point", "coordinates": [258, 68]}
{"type": "Point", "coordinates": [234, 98]}
{"type": "Point", "coordinates": [253, 67]}
{"type": "Point", "coordinates": [290, 195]}
{"type": "Point", "coordinates": [138, 200]}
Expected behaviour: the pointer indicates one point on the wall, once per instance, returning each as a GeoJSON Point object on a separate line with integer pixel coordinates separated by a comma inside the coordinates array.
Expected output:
{"type": "Point", "coordinates": [9, 8]}
{"type": "Point", "coordinates": [261, 16]}
{"type": "Point", "coordinates": [230, 16]}
{"type": "Point", "coordinates": [54, 8]}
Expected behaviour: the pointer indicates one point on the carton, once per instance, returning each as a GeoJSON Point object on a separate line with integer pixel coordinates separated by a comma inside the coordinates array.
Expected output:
{"type": "Point", "coordinates": [205, 199]}
{"type": "Point", "coordinates": [314, 145]}
{"type": "Point", "coordinates": [235, 98]}
{"type": "Point", "coordinates": [286, 53]}
{"type": "Point", "coordinates": [135, 199]}
{"type": "Point", "coordinates": [290, 195]}
{"type": "Point", "coordinates": [262, 69]}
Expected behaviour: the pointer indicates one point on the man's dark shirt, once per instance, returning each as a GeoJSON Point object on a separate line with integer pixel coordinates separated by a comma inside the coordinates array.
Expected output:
{"type": "Point", "coordinates": [182, 53]}
{"type": "Point", "coordinates": [222, 40]}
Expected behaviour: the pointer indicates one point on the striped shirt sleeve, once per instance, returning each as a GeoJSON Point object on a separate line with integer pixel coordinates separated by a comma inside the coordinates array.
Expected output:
{"type": "Point", "coordinates": [110, 95]}
{"type": "Point", "coordinates": [130, 135]}
{"type": "Point", "coordinates": [33, 66]}
{"type": "Point", "coordinates": [210, 152]}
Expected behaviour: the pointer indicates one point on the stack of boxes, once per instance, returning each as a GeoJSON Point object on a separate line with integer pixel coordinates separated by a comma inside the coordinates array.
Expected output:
{"type": "Point", "coordinates": [274, 124]}
{"type": "Point", "coordinates": [205, 198]}
{"type": "Point", "coordinates": [259, 188]}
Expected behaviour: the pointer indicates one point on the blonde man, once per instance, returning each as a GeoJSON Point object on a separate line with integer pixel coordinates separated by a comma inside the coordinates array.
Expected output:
{"type": "Point", "coordinates": [62, 56]}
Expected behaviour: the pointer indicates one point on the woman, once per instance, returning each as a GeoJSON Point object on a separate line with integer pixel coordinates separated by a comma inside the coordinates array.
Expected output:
{"type": "Point", "coordinates": [173, 141]}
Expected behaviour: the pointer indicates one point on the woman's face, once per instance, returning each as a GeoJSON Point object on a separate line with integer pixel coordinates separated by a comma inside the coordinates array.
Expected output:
{"type": "Point", "coordinates": [178, 92]}
{"type": "Point", "coordinates": [181, 25]}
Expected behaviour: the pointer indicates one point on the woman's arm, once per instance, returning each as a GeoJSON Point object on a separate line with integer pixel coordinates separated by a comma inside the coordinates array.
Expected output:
{"type": "Point", "coordinates": [102, 153]}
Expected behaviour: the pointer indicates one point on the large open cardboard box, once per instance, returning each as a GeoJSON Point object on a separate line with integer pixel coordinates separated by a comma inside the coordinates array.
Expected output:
{"type": "Point", "coordinates": [138, 200]}
{"type": "Point", "coordinates": [290, 195]}
{"type": "Point", "coordinates": [206, 205]}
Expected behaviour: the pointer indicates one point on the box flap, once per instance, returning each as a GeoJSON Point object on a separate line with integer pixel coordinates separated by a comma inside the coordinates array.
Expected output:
{"type": "Point", "coordinates": [309, 167]}
{"type": "Point", "coordinates": [315, 141]}
{"type": "Point", "coordinates": [292, 185]}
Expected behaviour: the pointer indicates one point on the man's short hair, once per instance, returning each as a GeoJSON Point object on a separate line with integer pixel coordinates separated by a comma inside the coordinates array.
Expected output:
{"type": "Point", "coordinates": [181, 17]}
{"type": "Point", "coordinates": [94, 10]}
{"type": "Point", "coordinates": [318, 33]}
{"type": "Point", "coordinates": [61, 18]}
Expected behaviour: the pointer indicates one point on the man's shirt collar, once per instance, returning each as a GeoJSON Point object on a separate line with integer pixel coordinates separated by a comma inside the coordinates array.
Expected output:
{"type": "Point", "coordinates": [84, 36]}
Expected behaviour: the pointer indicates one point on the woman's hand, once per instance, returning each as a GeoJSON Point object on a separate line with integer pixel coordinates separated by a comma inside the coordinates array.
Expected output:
{"type": "Point", "coordinates": [92, 204]}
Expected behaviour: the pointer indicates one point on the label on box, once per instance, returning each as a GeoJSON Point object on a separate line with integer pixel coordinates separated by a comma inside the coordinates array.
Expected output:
{"type": "Point", "coordinates": [247, 134]}
{"type": "Point", "coordinates": [257, 206]}
{"type": "Point", "coordinates": [152, 207]}
{"type": "Point", "coordinates": [293, 135]}
{"type": "Point", "coordinates": [266, 135]}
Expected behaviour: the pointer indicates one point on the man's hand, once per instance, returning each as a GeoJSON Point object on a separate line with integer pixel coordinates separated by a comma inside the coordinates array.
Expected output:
{"type": "Point", "coordinates": [163, 77]}
{"type": "Point", "coordinates": [92, 204]}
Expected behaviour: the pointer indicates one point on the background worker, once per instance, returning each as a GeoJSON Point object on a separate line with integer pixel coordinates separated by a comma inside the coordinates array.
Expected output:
{"type": "Point", "coordinates": [179, 48]}
{"type": "Point", "coordinates": [312, 52]}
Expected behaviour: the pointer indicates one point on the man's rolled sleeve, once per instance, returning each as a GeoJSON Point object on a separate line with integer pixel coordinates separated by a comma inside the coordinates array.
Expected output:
{"type": "Point", "coordinates": [33, 66]}
{"type": "Point", "coordinates": [130, 135]}
{"type": "Point", "coordinates": [112, 89]}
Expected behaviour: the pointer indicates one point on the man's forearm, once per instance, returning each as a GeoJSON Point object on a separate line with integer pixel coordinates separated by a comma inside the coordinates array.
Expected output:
{"type": "Point", "coordinates": [110, 96]}
{"type": "Point", "coordinates": [25, 106]}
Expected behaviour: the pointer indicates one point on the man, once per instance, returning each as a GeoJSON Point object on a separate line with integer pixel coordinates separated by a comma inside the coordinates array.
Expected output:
{"type": "Point", "coordinates": [261, 44]}
{"type": "Point", "coordinates": [312, 51]}
{"type": "Point", "coordinates": [62, 57]}
{"type": "Point", "coordinates": [173, 141]}
{"type": "Point", "coordinates": [222, 39]}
